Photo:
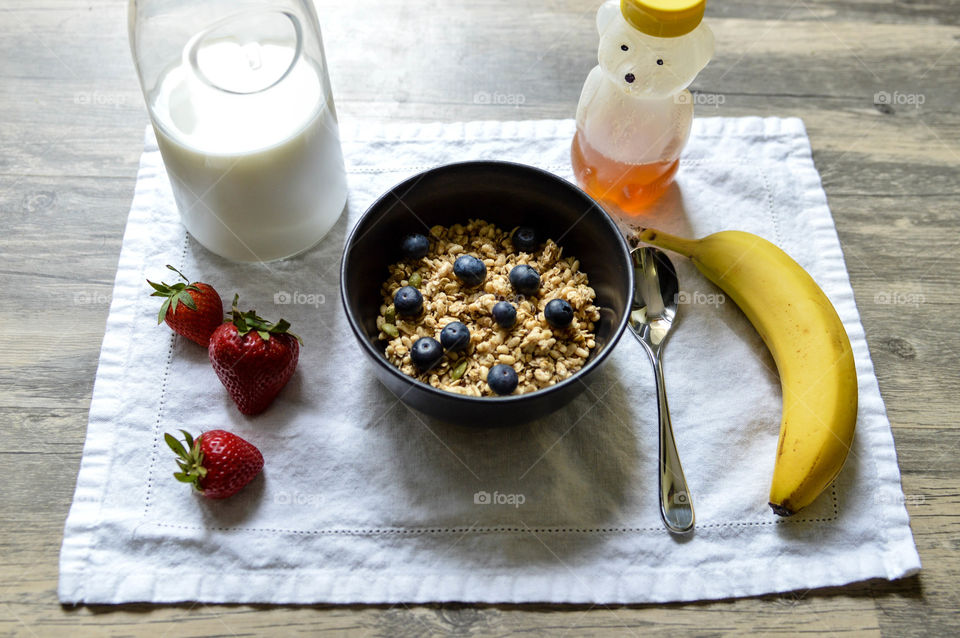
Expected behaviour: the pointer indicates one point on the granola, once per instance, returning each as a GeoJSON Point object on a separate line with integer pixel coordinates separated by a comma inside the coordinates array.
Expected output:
{"type": "Point", "coordinates": [541, 354]}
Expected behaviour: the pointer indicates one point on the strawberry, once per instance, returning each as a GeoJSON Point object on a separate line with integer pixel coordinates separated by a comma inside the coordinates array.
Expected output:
{"type": "Point", "coordinates": [218, 463]}
{"type": "Point", "coordinates": [193, 310]}
{"type": "Point", "coordinates": [253, 358]}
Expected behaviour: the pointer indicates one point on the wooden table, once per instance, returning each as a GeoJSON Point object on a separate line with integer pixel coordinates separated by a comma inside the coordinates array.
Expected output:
{"type": "Point", "coordinates": [877, 85]}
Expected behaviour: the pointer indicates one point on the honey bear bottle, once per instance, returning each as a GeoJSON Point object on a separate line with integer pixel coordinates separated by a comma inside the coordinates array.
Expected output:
{"type": "Point", "coordinates": [635, 112]}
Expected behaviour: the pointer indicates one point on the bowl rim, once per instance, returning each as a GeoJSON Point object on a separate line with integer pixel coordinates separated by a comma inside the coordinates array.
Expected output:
{"type": "Point", "coordinates": [377, 355]}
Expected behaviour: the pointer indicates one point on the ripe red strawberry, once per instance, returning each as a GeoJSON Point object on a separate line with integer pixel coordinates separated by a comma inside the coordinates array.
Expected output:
{"type": "Point", "coordinates": [218, 463]}
{"type": "Point", "coordinates": [193, 310]}
{"type": "Point", "coordinates": [253, 358]}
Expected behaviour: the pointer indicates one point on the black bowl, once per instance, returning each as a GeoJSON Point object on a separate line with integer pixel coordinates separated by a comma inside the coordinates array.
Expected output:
{"type": "Point", "coordinates": [507, 195]}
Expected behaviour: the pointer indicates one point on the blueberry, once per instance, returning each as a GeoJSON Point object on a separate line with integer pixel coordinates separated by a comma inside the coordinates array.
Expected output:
{"type": "Point", "coordinates": [525, 279]}
{"type": "Point", "coordinates": [415, 246]}
{"type": "Point", "coordinates": [504, 314]}
{"type": "Point", "coordinates": [502, 379]}
{"type": "Point", "coordinates": [408, 301]}
{"type": "Point", "coordinates": [558, 313]}
{"type": "Point", "coordinates": [469, 270]}
{"type": "Point", "coordinates": [525, 239]}
{"type": "Point", "coordinates": [455, 336]}
{"type": "Point", "coordinates": [426, 353]}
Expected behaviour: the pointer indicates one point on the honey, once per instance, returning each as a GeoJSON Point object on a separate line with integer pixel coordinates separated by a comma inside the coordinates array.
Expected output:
{"type": "Point", "coordinates": [620, 188]}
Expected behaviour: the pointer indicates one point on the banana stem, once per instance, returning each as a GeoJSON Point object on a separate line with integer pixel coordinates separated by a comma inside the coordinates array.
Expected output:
{"type": "Point", "coordinates": [654, 237]}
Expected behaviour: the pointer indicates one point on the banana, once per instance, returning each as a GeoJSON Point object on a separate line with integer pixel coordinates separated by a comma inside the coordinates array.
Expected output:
{"type": "Point", "coordinates": [801, 328]}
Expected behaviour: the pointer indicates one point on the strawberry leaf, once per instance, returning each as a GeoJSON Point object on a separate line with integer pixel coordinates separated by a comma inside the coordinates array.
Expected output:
{"type": "Point", "coordinates": [183, 297]}
{"type": "Point", "coordinates": [178, 272]}
{"type": "Point", "coordinates": [175, 294]}
{"type": "Point", "coordinates": [250, 320]}
{"type": "Point", "coordinates": [189, 459]}
{"type": "Point", "coordinates": [163, 311]}
{"type": "Point", "coordinates": [175, 445]}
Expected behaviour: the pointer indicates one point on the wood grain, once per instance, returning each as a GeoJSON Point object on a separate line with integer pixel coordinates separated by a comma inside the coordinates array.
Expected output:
{"type": "Point", "coordinates": [71, 124]}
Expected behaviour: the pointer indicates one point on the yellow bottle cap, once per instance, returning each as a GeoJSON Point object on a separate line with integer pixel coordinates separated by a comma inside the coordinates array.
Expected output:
{"type": "Point", "coordinates": [663, 18]}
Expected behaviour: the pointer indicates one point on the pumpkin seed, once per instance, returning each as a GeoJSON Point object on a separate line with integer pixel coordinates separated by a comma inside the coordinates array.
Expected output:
{"type": "Point", "coordinates": [459, 370]}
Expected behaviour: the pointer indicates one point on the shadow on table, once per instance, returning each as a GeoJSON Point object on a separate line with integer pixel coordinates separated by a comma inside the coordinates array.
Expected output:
{"type": "Point", "coordinates": [463, 617]}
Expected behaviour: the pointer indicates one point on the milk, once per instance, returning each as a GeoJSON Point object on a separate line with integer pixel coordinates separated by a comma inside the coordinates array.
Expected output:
{"type": "Point", "coordinates": [249, 137]}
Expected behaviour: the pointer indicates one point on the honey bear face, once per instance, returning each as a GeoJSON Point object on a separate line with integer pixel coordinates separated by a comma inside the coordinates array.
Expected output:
{"type": "Point", "coordinates": [648, 66]}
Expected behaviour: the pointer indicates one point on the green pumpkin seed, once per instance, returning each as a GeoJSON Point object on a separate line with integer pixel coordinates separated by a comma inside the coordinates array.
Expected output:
{"type": "Point", "coordinates": [459, 370]}
{"type": "Point", "coordinates": [415, 280]}
{"type": "Point", "coordinates": [390, 329]}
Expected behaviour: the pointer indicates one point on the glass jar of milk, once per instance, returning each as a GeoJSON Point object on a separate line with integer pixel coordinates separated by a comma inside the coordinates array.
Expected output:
{"type": "Point", "coordinates": [240, 100]}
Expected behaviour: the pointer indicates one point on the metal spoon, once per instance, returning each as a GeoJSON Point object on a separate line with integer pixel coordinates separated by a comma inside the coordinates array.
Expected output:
{"type": "Point", "coordinates": [652, 314]}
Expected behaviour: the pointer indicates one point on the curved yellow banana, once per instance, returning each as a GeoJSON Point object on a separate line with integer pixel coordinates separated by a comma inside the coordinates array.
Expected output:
{"type": "Point", "coordinates": [801, 328]}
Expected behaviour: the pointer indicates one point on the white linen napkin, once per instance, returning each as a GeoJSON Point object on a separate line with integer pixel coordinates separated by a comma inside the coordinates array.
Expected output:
{"type": "Point", "coordinates": [363, 500]}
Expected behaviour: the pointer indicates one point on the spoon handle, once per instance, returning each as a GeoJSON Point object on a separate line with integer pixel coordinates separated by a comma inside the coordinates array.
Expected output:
{"type": "Point", "coordinates": [676, 508]}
